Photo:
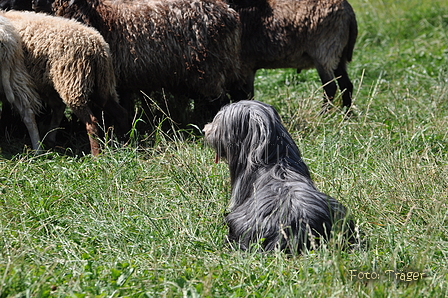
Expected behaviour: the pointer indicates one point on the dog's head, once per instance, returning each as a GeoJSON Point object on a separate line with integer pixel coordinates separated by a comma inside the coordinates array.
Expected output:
{"type": "Point", "coordinates": [250, 133]}
{"type": "Point", "coordinates": [245, 126]}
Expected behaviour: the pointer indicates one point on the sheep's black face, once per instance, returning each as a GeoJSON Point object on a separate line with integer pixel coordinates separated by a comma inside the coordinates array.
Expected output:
{"type": "Point", "coordinates": [15, 4]}
{"type": "Point", "coordinates": [42, 5]}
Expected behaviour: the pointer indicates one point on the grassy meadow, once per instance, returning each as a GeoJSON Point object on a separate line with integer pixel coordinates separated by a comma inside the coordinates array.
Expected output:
{"type": "Point", "coordinates": [147, 221]}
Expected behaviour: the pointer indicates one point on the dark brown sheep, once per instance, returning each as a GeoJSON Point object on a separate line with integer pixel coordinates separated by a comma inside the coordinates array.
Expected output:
{"type": "Point", "coordinates": [301, 34]}
{"type": "Point", "coordinates": [188, 47]}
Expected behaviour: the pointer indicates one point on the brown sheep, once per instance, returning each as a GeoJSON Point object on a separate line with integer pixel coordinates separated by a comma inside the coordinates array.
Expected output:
{"type": "Point", "coordinates": [188, 47]}
{"type": "Point", "coordinates": [72, 62]}
{"type": "Point", "coordinates": [301, 34]}
{"type": "Point", "coordinates": [16, 83]}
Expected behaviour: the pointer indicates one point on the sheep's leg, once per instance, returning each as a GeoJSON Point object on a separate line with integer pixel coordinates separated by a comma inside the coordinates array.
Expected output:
{"type": "Point", "coordinates": [57, 113]}
{"type": "Point", "coordinates": [30, 123]}
{"type": "Point", "coordinates": [329, 85]}
{"type": "Point", "coordinates": [249, 85]}
{"type": "Point", "coordinates": [8, 119]}
{"type": "Point", "coordinates": [345, 85]}
{"type": "Point", "coordinates": [120, 116]}
{"type": "Point", "coordinates": [86, 116]}
{"type": "Point", "coordinates": [24, 110]}
{"type": "Point", "coordinates": [244, 90]}
{"type": "Point", "coordinates": [127, 100]}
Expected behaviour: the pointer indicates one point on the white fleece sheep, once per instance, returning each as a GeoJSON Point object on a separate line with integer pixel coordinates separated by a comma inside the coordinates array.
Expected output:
{"type": "Point", "coordinates": [16, 83]}
{"type": "Point", "coordinates": [72, 62]}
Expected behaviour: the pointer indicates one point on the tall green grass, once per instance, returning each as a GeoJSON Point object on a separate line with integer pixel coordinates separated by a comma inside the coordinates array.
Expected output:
{"type": "Point", "coordinates": [148, 221]}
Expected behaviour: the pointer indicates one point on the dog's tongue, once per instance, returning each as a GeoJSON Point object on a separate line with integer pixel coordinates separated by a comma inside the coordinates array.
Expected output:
{"type": "Point", "coordinates": [216, 158]}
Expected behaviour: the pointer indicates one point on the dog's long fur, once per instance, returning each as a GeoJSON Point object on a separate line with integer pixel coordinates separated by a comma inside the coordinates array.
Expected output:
{"type": "Point", "coordinates": [274, 201]}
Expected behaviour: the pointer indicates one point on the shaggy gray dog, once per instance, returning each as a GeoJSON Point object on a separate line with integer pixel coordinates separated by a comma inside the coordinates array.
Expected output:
{"type": "Point", "coordinates": [274, 201]}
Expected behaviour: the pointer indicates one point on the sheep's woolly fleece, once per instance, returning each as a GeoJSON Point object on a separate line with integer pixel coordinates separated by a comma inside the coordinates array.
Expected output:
{"type": "Point", "coordinates": [185, 46]}
{"type": "Point", "coordinates": [299, 34]}
{"type": "Point", "coordinates": [60, 53]}
{"type": "Point", "coordinates": [16, 83]}
{"type": "Point", "coordinates": [73, 60]}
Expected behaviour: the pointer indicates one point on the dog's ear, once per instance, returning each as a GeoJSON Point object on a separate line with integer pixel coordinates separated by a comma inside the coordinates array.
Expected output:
{"type": "Point", "coordinates": [258, 136]}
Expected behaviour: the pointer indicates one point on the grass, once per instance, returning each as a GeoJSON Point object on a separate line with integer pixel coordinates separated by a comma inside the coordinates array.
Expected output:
{"type": "Point", "coordinates": [148, 221]}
